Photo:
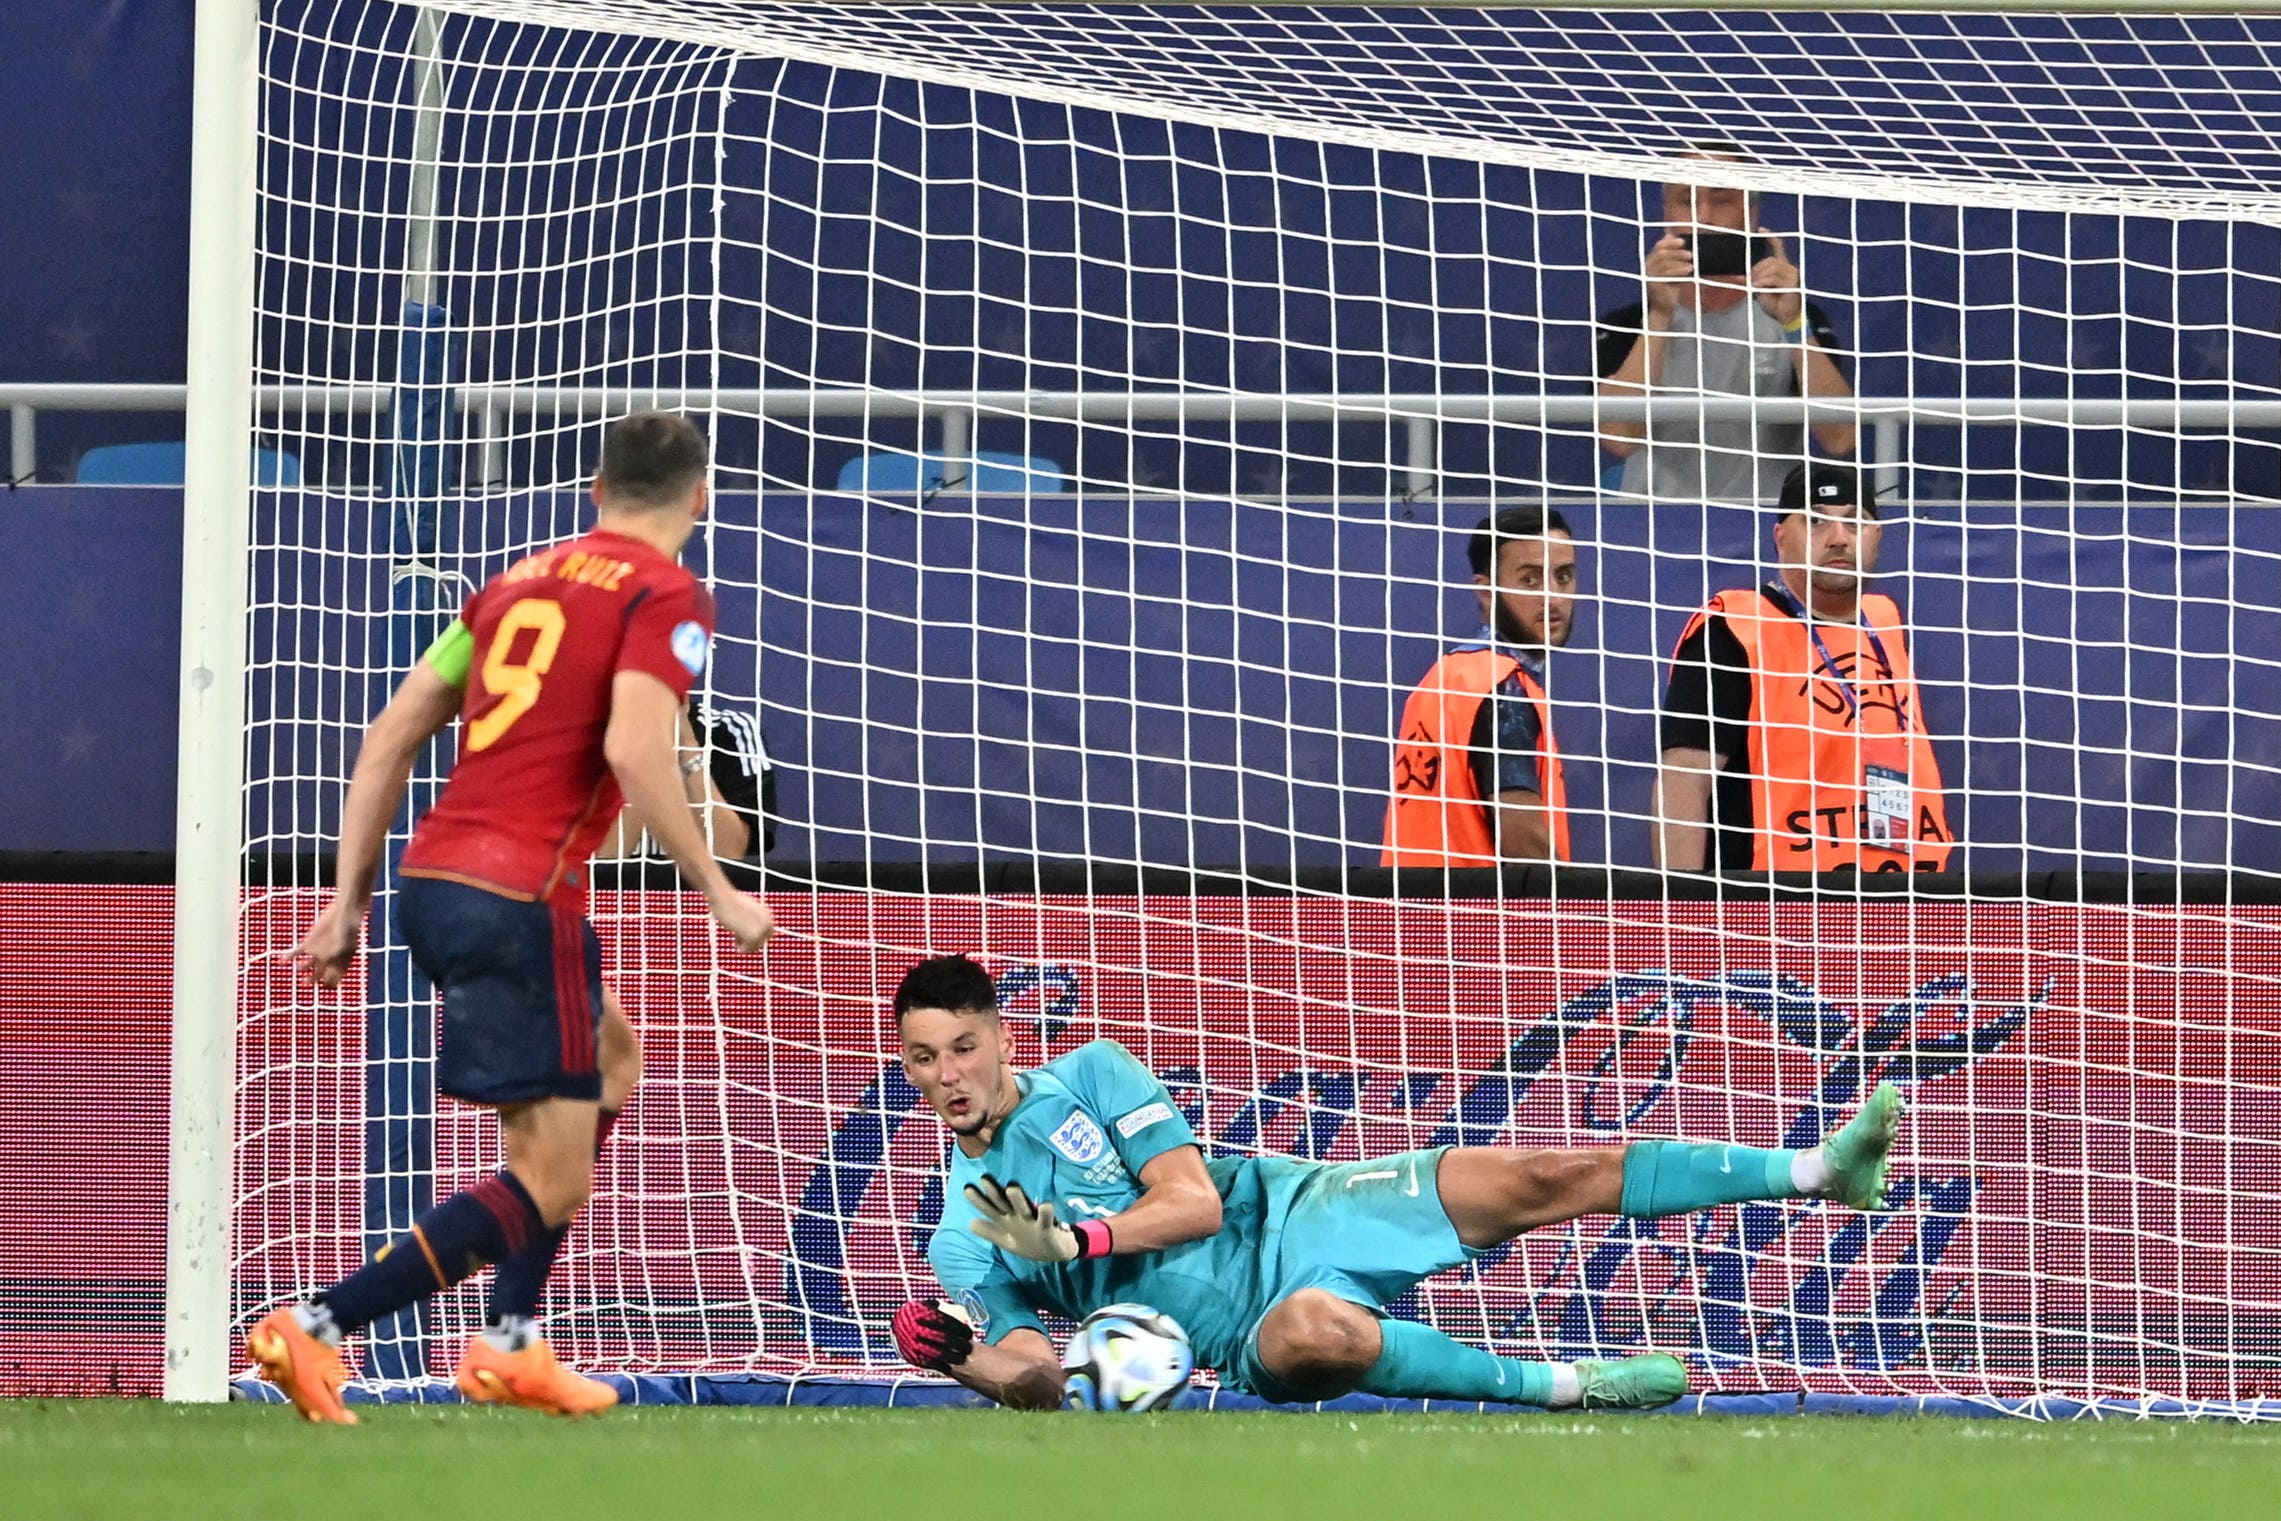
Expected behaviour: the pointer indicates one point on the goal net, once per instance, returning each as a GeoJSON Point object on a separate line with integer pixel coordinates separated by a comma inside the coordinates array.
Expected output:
{"type": "Point", "coordinates": [1102, 397]}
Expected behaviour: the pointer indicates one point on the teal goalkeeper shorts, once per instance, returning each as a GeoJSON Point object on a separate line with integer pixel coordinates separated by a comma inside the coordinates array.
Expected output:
{"type": "Point", "coordinates": [1367, 1232]}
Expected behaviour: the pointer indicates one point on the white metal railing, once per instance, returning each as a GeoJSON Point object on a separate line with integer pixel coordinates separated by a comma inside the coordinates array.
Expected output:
{"type": "Point", "coordinates": [486, 411]}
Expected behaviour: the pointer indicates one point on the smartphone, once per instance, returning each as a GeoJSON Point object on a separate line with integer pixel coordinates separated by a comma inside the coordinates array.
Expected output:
{"type": "Point", "coordinates": [1718, 252]}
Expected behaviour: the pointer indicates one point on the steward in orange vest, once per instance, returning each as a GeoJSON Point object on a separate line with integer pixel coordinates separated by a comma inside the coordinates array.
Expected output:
{"type": "Point", "coordinates": [1477, 775]}
{"type": "Point", "coordinates": [1794, 737]}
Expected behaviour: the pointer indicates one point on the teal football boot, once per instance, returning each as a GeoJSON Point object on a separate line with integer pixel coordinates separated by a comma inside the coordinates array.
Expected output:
{"type": "Point", "coordinates": [1632, 1383]}
{"type": "Point", "coordinates": [1857, 1155]}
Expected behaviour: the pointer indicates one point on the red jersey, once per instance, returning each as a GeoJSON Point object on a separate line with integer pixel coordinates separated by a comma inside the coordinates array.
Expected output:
{"type": "Point", "coordinates": [531, 795]}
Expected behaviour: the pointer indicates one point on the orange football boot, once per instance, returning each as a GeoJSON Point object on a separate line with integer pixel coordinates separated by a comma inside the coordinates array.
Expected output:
{"type": "Point", "coordinates": [531, 1379]}
{"type": "Point", "coordinates": [309, 1371]}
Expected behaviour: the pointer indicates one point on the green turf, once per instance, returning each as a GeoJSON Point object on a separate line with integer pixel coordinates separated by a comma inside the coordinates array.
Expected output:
{"type": "Point", "coordinates": [141, 1459]}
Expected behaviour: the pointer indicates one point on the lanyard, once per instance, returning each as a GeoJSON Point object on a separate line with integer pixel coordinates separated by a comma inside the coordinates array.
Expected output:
{"type": "Point", "coordinates": [1781, 596]}
{"type": "Point", "coordinates": [1485, 637]}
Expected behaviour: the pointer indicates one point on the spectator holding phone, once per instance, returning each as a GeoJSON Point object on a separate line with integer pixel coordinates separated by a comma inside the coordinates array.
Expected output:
{"type": "Point", "coordinates": [1725, 315]}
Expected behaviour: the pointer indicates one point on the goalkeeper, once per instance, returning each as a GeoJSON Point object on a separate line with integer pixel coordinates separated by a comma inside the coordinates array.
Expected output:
{"type": "Point", "coordinates": [1077, 1185]}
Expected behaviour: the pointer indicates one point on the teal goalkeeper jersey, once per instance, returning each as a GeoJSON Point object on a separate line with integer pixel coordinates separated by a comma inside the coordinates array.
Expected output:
{"type": "Point", "coordinates": [1087, 1124]}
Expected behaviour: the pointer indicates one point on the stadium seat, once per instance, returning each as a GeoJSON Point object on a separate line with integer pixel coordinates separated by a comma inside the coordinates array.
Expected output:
{"type": "Point", "coordinates": [899, 471]}
{"type": "Point", "coordinates": [161, 465]}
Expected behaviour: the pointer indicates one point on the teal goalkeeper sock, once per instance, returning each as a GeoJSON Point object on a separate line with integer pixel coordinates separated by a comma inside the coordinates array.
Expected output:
{"type": "Point", "coordinates": [1676, 1177]}
{"type": "Point", "coordinates": [1419, 1363]}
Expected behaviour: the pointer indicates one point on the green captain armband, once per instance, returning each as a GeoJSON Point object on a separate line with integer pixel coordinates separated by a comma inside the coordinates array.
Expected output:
{"type": "Point", "coordinates": [452, 654]}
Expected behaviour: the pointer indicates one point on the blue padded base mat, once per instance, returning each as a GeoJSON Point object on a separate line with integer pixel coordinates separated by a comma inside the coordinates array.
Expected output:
{"type": "Point", "coordinates": [763, 1391]}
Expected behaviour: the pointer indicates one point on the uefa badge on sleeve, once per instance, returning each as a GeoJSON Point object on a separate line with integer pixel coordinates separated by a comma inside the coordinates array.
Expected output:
{"type": "Point", "coordinates": [690, 646]}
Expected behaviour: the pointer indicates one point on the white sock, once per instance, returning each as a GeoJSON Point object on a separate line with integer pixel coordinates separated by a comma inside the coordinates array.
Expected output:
{"type": "Point", "coordinates": [1809, 1174]}
{"type": "Point", "coordinates": [1567, 1388]}
{"type": "Point", "coordinates": [511, 1333]}
{"type": "Point", "coordinates": [318, 1322]}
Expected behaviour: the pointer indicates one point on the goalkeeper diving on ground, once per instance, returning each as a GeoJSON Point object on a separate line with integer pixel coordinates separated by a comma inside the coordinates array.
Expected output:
{"type": "Point", "coordinates": [1079, 1184]}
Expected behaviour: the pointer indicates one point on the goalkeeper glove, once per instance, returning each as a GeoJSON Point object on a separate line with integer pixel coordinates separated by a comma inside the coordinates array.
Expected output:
{"type": "Point", "coordinates": [933, 1334]}
{"type": "Point", "coordinates": [1005, 1217]}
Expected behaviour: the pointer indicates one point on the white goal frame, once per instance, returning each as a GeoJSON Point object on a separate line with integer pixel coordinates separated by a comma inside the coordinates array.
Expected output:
{"type": "Point", "coordinates": [221, 414]}
{"type": "Point", "coordinates": [210, 784]}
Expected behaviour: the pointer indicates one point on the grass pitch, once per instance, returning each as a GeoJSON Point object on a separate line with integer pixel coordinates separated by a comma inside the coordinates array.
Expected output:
{"type": "Point", "coordinates": [143, 1460]}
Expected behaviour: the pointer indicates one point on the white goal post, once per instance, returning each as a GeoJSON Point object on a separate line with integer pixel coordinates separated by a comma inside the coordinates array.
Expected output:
{"type": "Point", "coordinates": [210, 786]}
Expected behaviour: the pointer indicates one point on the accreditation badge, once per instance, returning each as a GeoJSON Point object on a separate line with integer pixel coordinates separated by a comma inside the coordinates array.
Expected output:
{"type": "Point", "coordinates": [1889, 814]}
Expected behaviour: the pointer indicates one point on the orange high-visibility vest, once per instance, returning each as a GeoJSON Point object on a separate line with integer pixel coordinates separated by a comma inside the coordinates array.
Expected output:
{"type": "Point", "coordinates": [1816, 733]}
{"type": "Point", "coordinates": [1437, 816]}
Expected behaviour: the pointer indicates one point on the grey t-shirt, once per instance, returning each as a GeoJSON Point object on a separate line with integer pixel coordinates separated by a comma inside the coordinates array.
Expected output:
{"type": "Point", "coordinates": [1737, 352]}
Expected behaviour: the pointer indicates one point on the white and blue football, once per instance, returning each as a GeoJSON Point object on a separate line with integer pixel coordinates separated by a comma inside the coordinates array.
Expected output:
{"type": "Point", "coordinates": [1126, 1358]}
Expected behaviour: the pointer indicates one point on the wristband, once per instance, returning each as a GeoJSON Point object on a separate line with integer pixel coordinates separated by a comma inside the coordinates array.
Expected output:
{"type": "Point", "coordinates": [1793, 329]}
{"type": "Point", "coordinates": [1093, 1238]}
{"type": "Point", "coordinates": [693, 764]}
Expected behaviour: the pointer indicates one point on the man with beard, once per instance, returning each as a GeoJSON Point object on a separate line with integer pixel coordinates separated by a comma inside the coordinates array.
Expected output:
{"type": "Point", "coordinates": [1793, 735]}
{"type": "Point", "coordinates": [1477, 778]}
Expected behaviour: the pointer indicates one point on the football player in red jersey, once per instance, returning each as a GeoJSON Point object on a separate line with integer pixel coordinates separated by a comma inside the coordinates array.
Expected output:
{"type": "Point", "coordinates": [569, 670]}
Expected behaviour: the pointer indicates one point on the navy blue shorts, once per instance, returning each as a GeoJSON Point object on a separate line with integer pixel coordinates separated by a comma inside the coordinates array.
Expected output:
{"type": "Point", "coordinates": [522, 990]}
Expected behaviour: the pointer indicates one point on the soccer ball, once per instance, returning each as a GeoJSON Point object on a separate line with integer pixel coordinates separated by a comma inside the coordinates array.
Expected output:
{"type": "Point", "coordinates": [1127, 1358]}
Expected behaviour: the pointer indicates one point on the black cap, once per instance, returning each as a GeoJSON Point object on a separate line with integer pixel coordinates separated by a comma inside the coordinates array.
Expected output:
{"type": "Point", "coordinates": [1823, 483]}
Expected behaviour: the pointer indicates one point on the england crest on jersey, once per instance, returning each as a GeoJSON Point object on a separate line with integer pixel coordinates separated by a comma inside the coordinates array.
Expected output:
{"type": "Point", "coordinates": [1079, 1139]}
